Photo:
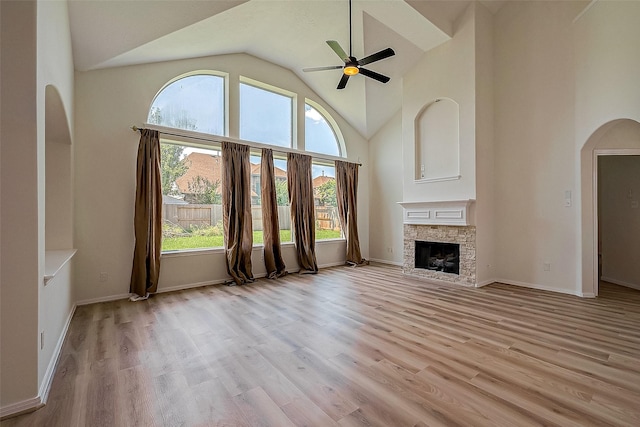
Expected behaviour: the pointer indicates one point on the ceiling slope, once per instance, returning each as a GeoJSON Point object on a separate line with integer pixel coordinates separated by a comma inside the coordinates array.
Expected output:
{"type": "Point", "coordinates": [289, 33]}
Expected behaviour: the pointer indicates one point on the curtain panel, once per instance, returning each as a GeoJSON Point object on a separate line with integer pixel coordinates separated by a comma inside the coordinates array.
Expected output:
{"type": "Point", "coordinates": [346, 193]}
{"type": "Point", "coordinates": [300, 188]}
{"type": "Point", "coordinates": [273, 261]}
{"type": "Point", "coordinates": [236, 211]}
{"type": "Point", "coordinates": [147, 217]}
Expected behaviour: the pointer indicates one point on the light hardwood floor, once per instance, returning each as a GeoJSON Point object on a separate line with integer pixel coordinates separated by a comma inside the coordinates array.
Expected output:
{"type": "Point", "coordinates": [350, 347]}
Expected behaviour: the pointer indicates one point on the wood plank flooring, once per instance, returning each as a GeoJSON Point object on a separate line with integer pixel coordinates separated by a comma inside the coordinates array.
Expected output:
{"type": "Point", "coordinates": [362, 346]}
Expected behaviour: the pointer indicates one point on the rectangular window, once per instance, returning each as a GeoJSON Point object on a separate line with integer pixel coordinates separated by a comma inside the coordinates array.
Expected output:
{"type": "Point", "coordinates": [325, 201]}
{"type": "Point", "coordinates": [191, 198]}
{"type": "Point", "coordinates": [282, 199]}
{"type": "Point", "coordinates": [265, 116]}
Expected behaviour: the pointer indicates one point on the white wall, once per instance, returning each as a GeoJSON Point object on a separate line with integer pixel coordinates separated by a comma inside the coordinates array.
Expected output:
{"type": "Point", "coordinates": [485, 147]}
{"type": "Point", "coordinates": [619, 218]}
{"type": "Point", "coordinates": [535, 155]}
{"type": "Point", "coordinates": [21, 269]}
{"type": "Point", "coordinates": [385, 229]}
{"type": "Point", "coordinates": [606, 81]}
{"type": "Point", "coordinates": [446, 71]}
{"type": "Point", "coordinates": [108, 103]}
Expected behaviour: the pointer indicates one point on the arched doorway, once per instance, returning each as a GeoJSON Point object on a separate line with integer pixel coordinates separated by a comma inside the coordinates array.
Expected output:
{"type": "Point", "coordinates": [615, 138]}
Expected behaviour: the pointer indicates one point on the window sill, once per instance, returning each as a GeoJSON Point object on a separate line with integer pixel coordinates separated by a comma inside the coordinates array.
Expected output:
{"type": "Point", "coordinates": [191, 252]}
{"type": "Point", "coordinates": [211, 251]}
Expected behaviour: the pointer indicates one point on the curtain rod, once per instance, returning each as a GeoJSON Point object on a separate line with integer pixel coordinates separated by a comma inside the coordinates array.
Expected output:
{"type": "Point", "coordinates": [205, 137]}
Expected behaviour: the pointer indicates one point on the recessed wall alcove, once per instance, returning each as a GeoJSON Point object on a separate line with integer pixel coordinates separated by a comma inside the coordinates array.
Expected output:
{"type": "Point", "coordinates": [437, 141]}
{"type": "Point", "coordinates": [58, 187]}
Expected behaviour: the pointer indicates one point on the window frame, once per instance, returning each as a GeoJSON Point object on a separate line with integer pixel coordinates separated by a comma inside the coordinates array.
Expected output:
{"type": "Point", "coordinates": [225, 96]}
{"type": "Point", "coordinates": [196, 139]}
{"type": "Point", "coordinates": [342, 150]}
{"type": "Point", "coordinates": [278, 91]}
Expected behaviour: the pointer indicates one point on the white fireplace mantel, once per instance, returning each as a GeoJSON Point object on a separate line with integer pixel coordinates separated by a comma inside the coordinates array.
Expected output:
{"type": "Point", "coordinates": [453, 212]}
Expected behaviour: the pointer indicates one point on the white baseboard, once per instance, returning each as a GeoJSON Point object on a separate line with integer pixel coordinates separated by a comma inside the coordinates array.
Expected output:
{"type": "Point", "coordinates": [45, 387]}
{"type": "Point", "coordinates": [40, 400]}
{"type": "Point", "coordinates": [540, 287]}
{"type": "Point", "coordinates": [331, 264]}
{"type": "Point", "coordinates": [228, 279]}
{"type": "Point", "coordinates": [192, 285]}
{"type": "Point", "coordinates": [22, 407]}
{"type": "Point", "coordinates": [103, 299]}
{"type": "Point", "coordinates": [485, 283]}
{"type": "Point", "coordinates": [386, 261]}
{"type": "Point", "coordinates": [620, 282]}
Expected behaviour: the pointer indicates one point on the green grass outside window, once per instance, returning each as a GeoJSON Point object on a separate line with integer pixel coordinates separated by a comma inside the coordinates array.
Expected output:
{"type": "Point", "coordinates": [201, 242]}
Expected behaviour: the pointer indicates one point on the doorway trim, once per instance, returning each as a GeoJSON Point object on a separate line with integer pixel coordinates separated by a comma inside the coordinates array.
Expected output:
{"type": "Point", "coordinates": [596, 154]}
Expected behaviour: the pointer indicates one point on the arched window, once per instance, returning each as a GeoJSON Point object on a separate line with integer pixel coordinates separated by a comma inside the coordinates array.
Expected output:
{"type": "Point", "coordinates": [319, 135]}
{"type": "Point", "coordinates": [194, 102]}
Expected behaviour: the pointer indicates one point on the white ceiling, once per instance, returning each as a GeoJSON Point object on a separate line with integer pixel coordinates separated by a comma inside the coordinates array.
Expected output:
{"type": "Point", "coordinates": [289, 33]}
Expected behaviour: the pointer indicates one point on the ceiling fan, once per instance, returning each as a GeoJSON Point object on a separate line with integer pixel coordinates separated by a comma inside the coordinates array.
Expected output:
{"type": "Point", "coordinates": [353, 66]}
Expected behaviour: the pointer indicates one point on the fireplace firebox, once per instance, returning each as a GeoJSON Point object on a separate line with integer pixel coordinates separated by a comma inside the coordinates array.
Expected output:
{"type": "Point", "coordinates": [436, 256]}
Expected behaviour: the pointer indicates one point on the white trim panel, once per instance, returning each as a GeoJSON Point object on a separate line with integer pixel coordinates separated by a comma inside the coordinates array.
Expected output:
{"type": "Point", "coordinates": [454, 212]}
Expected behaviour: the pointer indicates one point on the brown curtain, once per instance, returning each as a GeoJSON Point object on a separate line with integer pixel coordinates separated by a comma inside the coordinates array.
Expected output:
{"type": "Point", "coordinates": [346, 193]}
{"type": "Point", "coordinates": [147, 217]}
{"type": "Point", "coordinates": [300, 188]}
{"type": "Point", "coordinates": [236, 211]}
{"type": "Point", "coordinates": [270, 226]}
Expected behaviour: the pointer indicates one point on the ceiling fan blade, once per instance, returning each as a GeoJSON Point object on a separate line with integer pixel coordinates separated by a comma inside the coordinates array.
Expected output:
{"type": "Point", "coordinates": [374, 75]}
{"type": "Point", "coordinates": [385, 53]}
{"type": "Point", "coordinates": [343, 81]}
{"type": "Point", "coordinates": [338, 50]}
{"type": "Point", "coordinates": [330, 67]}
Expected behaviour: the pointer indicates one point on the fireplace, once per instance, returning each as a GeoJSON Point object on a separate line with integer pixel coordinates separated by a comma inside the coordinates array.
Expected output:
{"type": "Point", "coordinates": [440, 241]}
{"type": "Point", "coordinates": [437, 256]}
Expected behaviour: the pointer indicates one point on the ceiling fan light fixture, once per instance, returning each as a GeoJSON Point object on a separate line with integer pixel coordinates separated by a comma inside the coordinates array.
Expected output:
{"type": "Point", "coordinates": [352, 65]}
{"type": "Point", "coordinates": [351, 70]}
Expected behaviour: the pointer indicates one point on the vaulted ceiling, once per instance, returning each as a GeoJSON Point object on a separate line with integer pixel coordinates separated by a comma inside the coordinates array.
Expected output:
{"type": "Point", "coordinates": [289, 33]}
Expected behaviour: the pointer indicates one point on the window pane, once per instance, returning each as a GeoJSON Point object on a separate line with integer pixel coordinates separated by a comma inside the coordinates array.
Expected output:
{"type": "Point", "coordinates": [256, 202]}
{"type": "Point", "coordinates": [265, 116]}
{"type": "Point", "coordinates": [318, 133]}
{"type": "Point", "coordinates": [325, 201]}
{"type": "Point", "coordinates": [191, 198]}
{"type": "Point", "coordinates": [282, 199]}
{"type": "Point", "coordinates": [191, 103]}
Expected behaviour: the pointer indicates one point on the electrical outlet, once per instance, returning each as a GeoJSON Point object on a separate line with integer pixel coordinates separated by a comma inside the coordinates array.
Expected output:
{"type": "Point", "coordinates": [547, 266]}
{"type": "Point", "coordinates": [104, 276]}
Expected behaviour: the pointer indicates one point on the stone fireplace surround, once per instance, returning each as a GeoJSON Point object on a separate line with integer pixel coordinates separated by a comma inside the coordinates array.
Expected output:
{"type": "Point", "coordinates": [444, 222]}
